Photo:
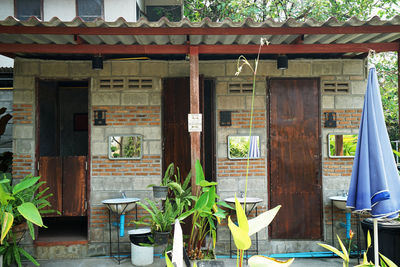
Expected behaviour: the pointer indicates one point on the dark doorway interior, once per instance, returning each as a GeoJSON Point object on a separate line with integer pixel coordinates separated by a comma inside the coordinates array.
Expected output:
{"type": "Point", "coordinates": [208, 134]}
{"type": "Point", "coordinates": [62, 155]}
{"type": "Point", "coordinates": [61, 229]}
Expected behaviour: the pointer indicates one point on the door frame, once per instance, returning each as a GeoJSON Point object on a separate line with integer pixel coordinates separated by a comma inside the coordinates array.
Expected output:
{"type": "Point", "coordinates": [268, 117]}
{"type": "Point", "coordinates": [37, 135]}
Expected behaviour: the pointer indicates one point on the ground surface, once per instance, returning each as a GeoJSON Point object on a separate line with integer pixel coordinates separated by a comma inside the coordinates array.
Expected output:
{"type": "Point", "coordinates": [100, 262]}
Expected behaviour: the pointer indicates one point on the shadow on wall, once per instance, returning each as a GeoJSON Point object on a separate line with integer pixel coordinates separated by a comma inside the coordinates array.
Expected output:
{"type": "Point", "coordinates": [6, 157]}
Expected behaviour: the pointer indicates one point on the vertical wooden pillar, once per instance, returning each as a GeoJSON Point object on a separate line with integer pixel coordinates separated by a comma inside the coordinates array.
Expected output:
{"type": "Point", "coordinates": [194, 109]}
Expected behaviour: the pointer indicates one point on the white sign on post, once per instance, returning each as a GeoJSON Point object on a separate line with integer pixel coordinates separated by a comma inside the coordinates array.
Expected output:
{"type": "Point", "coordinates": [195, 123]}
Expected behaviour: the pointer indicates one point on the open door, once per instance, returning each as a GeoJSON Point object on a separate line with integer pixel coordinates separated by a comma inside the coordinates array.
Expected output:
{"type": "Point", "coordinates": [63, 145]}
{"type": "Point", "coordinates": [176, 138]}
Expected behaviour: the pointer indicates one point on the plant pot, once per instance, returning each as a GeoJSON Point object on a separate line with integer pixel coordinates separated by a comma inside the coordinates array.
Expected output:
{"type": "Point", "coordinates": [1, 260]}
{"type": "Point", "coordinates": [160, 192]}
{"type": "Point", "coordinates": [18, 231]}
{"type": "Point", "coordinates": [160, 238]}
{"type": "Point", "coordinates": [142, 250]}
{"type": "Point", "coordinates": [388, 239]}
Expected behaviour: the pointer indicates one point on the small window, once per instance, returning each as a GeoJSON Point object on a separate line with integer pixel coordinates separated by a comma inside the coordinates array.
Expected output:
{"type": "Point", "coordinates": [24, 9]}
{"type": "Point", "coordinates": [89, 10]}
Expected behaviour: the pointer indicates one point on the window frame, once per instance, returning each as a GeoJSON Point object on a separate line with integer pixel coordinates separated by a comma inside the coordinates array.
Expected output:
{"type": "Point", "coordinates": [77, 11]}
{"type": "Point", "coordinates": [41, 11]}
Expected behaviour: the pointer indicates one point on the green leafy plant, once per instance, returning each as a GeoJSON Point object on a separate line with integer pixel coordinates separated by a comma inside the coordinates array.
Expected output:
{"type": "Point", "coordinates": [20, 203]}
{"type": "Point", "coordinates": [181, 191]}
{"type": "Point", "coordinates": [206, 213]}
{"type": "Point", "coordinates": [169, 173]}
{"type": "Point", "coordinates": [159, 219]}
{"type": "Point", "coordinates": [342, 254]}
{"type": "Point", "coordinates": [244, 229]}
{"type": "Point", "coordinates": [385, 262]}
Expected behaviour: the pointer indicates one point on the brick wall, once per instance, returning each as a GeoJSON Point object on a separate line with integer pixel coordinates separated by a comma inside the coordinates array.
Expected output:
{"type": "Point", "coordinates": [345, 118]}
{"type": "Point", "coordinates": [22, 114]}
{"type": "Point", "coordinates": [131, 115]}
{"type": "Point", "coordinates": [237, 168]}
{"type": "Point", "coordinates": [337, 166]}
{"type": "Point", "coordinates": [22, 165]}
{"type": "Point", "coordinates": [22, 161]}
{"type": "Point", "coordinates": [147, 166]}
{"type": "Point", "coordinates": [241, 118]}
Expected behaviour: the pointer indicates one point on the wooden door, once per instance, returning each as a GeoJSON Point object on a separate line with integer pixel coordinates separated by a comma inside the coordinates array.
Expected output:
{"type": "Point", "coordinates": [74, 185]}
{"type": "Point", "coordinates": [176, 138]}
{"type": "Point", "coordinates": [63, 144]}
{"type": "Point", "coordinates": [50, 171]}
{"type": "Point", "coordinates": [294, 158]}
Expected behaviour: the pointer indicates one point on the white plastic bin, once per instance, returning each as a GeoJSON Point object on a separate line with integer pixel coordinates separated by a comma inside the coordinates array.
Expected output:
{"type": "Point", "coordinates": [141, 255]}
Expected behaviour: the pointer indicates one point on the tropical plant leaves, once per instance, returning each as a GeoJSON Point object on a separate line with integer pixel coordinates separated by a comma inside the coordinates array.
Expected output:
{"type": "Point", "coordinates": [263, 220]}
{"type": "Point", "coordinates": [31, 213]}
{"type": "Point", "coordinates": [240, 236]}
{"type": "Point", "coordinates": [6, 224]}
{"type": "Point", "coordinates": [26, 183]}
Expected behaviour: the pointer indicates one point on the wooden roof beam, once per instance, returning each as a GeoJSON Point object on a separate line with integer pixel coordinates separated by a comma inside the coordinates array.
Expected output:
{"type": "Point", "coordinates": [203, 49]}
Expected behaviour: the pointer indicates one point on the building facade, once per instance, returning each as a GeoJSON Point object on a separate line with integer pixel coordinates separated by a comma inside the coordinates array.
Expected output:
{"type": "Point", "coordinates": [68, 112]}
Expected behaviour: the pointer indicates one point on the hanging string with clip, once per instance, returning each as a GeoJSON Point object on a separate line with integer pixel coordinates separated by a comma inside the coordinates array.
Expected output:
{"type": "Point", "coordinates": [371, 55]}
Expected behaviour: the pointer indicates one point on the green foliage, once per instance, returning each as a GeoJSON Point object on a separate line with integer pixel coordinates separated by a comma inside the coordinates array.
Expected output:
{"type": "Point", "coordinates": [182, 192]}
{"type": "Point", "coordinates": [239, 148]}
{"type": "Point", "coordinates": [160, 219]}
{"type": "Point", "coordinates": [132, 146]}
{"type": "Point", "coordinates": [260, 10]}
{"type": "Point", "coordinates": [384, 261]}
{"type": "Point", "coordinates": [349, 145]}
{"type": "Point", "coordinates": [386, 68]}
{"type": "Point", "coordinates": [206, 213]}
{"type": "Point", "coordinates": [19, 203]}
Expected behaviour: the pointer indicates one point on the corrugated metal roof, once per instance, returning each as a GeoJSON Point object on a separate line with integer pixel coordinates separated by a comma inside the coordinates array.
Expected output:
{"type": "Point", "coordinates": [200, 39]}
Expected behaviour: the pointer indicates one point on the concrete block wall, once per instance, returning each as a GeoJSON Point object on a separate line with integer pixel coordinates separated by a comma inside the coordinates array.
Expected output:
{"type": "Point", "coordinates": [145, 105]}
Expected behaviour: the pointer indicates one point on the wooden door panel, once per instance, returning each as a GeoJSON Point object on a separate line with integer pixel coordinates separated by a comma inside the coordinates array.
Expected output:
{"type": "Point", "coordinates": [50, 171]}
{"type": "Point", "coordinates": [295, 158]}
{"type": "Point", "coordinates": [74, 186]}
{"type": "Point", "coordinates": [176, 138]}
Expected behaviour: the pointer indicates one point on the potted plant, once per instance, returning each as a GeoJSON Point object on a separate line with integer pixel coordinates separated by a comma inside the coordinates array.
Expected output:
{"type": "Point", "coordinates": [161, 191]}
{"type": "Point", "coordinates": [182, 197]}
{"type": "Point", "coordinates": [21, 205]}
{"type": "Point", "coordinates": [160, 219]}
{"type": "Point", "coordinates": [206, 213]}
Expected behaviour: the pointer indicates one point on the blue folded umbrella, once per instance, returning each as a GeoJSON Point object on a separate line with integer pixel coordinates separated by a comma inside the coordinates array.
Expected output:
{"type": "Point", "coordinates": [375, 182]}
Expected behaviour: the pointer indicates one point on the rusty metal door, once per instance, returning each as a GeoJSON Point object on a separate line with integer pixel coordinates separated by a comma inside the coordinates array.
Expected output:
{"type": "Point", "coordinates": [294, 158]}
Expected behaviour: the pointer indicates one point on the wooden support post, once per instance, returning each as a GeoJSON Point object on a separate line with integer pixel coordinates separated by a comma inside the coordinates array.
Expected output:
{"type": "Point", "coordinates": [194, 109]}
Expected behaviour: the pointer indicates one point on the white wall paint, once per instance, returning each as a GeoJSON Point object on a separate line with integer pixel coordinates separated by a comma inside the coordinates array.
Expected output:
{"type": "Point", "coordinates": [6, 62]}
{"type": "Point", "coordinates": [6, 8]}
{"type": "Point", "coordinates": [63, 9]}
{"type": "Point", "coordinates": [113, 9]}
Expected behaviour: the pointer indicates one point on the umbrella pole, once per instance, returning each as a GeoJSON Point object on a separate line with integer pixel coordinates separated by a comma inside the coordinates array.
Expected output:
{"type": "Point", "coordinates": [376, 249]}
